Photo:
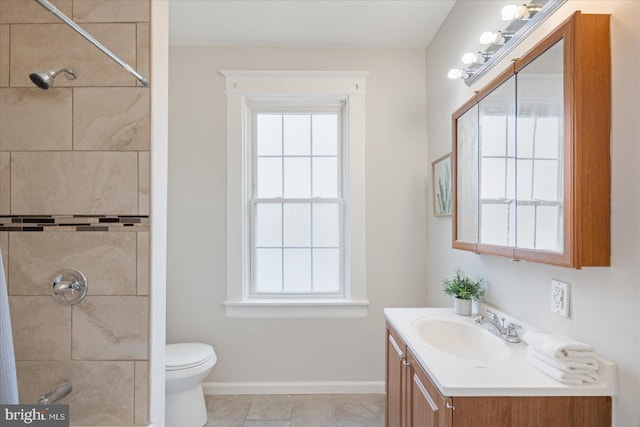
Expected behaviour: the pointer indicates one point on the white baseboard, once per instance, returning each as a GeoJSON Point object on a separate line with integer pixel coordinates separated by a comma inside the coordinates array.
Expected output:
{"type": "Point", "coordinates": [305, 387]}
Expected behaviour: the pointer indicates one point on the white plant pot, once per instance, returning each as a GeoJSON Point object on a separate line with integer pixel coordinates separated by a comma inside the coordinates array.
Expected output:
{"type": "Point", "coordinates": [462, 306]}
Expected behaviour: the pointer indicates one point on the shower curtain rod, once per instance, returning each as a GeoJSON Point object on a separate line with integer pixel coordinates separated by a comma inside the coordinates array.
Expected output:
{"type": "Point", "coordinates": [51, 8]}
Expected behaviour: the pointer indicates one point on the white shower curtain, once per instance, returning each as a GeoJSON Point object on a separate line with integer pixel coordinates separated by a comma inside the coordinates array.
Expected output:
{"type": "Point", "coordinates": [8, 377]}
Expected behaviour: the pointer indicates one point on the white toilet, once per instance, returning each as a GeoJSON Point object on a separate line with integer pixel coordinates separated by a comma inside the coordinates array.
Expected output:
{"type": "Point", "coordinates": [187, 364]}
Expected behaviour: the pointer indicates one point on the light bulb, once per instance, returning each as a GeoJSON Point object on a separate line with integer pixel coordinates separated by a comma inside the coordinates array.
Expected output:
{"type": "Point", "coordinates": [473, 58]}
{"type": "Point", "coordinates": [458, 73]}
{"type": "Point", "coordinates": [490, 37]}
{"type": "Point", "coordinates": [455, 73]}
{"type": "Point", "coordinates": [511, 12]}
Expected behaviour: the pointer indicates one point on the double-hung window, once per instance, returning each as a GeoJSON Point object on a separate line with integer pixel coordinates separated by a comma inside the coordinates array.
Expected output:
{"type": "Point", "coordinates": [295, 194]}
{"type": "Point", "coordinates": [297, 210]}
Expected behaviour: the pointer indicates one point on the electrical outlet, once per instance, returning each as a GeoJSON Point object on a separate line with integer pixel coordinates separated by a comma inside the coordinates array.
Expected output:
{"type": "Point", "coordinates": [560, 298]}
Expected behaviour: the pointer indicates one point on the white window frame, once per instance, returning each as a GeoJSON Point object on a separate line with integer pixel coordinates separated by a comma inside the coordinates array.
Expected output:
{"type": "Point", "coordinates": [244, 88]}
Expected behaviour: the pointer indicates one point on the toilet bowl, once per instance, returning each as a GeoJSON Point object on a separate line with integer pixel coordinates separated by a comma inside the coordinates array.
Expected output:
{"type": "Point", "coordinates": [186, 365]}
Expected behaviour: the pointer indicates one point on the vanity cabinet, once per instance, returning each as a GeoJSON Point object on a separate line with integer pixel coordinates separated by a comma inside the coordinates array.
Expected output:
{"type": "Point", "coordinates": [531, 153]}
{"type": "Point", "coordinates": [413, 400]}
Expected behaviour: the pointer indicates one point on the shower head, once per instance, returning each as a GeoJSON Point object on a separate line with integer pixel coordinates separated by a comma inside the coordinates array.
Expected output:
{"type": "Point", "coordinates": [44, 78]}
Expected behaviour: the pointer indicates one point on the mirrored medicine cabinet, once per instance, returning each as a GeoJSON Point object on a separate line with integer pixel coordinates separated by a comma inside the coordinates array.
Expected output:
{"type": "Point", "coordinates": [531, 153]}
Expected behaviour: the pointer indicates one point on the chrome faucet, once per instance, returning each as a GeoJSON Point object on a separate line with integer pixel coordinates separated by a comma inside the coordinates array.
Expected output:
{"type": "Point", "coordinates": [497, 327]}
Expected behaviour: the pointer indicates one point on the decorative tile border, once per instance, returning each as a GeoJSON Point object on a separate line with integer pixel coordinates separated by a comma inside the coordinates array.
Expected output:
{"type": "Point", "coordinates": [74, 223]}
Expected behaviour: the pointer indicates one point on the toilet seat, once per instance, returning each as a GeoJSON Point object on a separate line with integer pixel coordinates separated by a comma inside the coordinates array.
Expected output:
{"type": "Point", "coordinates": [187, 355]}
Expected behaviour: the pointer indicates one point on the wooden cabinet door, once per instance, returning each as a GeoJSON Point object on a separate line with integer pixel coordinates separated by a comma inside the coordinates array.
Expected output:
{"type": "Point", "coordinates": [394, 379]}
{"type": "Point", "coordinates": [427, 407]}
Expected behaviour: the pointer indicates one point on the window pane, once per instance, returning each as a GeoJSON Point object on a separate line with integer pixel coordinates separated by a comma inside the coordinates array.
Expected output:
{"type": "Point", "coordinates": [297, 270]}
{"type": "Point", "coordinates": [269, 181]}
{"type": "Point", "coordinates": [547, 137]}
{"type": "Point", "coordinates": [297, 224]}
{"type": "Point", "coordinates": [268, 225]}
{"type": "Point", "coordinates": [526, 226]}
{"type": "Point", "coordinates": [547, 233]}
{"type": "Point", "coordinates": [511, 136]}
{"type": "Point", "coordinates": [297, 134]}
{"type": "Point", "coordinates": [325, 177]}
{"type": "Point", "coordinates": [545, 180]}
{"type": "Point", "coordinates": [269, 140]}
{"type": "Point", "coordinates": [495, 224]}
{"type": "Point", "coordinates": [524, 181]}
{"type": "Point", "coordinates": [511, 182]}
{"type": "Point", "coordinates": [325, 134]}
{"type": "Point", "coordinates": [297, 177]}
{"type": "Point", "coordinates": [326, 270]}
{"type": "Point", "coordinates": [494, 135]}
{"type": "Point", "coordinates": [526, 127]}
{"type": "Point", "coordinates": [493, 178]}
{"type": "Point", "coordinates": [268, 266]}
{"type": "Point", "coordinates": [326, 225]}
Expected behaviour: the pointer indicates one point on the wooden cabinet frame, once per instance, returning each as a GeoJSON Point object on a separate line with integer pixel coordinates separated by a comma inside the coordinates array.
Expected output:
{"type": "Point", "coordinates": [587, 134]}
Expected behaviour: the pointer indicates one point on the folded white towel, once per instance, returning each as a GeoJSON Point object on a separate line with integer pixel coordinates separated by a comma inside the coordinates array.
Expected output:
{"type": "Point", "coordinates": [558, 346]}
{"type": "Point", "coordinates": [571, 365]}
{"type": "Point", "coordinates": [562, 376]}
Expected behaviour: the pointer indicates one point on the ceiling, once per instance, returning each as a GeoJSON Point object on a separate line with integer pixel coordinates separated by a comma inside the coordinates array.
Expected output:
{"type": "Point", "coordinates": [381, 24]}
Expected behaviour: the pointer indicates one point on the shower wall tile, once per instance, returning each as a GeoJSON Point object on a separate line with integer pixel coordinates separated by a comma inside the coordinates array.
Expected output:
{"type": "Point", "coordinates": [141, 393]}
{"type": "Point", "coordinates": [111, 11]}
{"type": "Point", "coordinates": [144, 178]}
{"type": "Point", "coordinates": [54, 45]}
{"type": "Point", "coordinates": [110, 328]}
{"type": "Point", "coordinates": [101, 344]}
{"type": "Point", "coordinates": [111, 119]}
{"type": "Point", "coordinates": [22, 12]}
{"type": "Point", "coordinates": [4, 54]}
{"type": "Point", "coordinates": [32, 338]}
{"type": "Point", "coordinates": [103, 392]}
{"type": "Point", "coordinates": [143, 262]}
{"type": "Point", "coordinates": [34, 119]}
{"type": "Point", "coordinates": [144, 44]}
{"type": "Point", "coordinates": [5, 183]}
{"type": "Point", "coordinates": [74, 183]}
{"type": "Point", "coordinates": [108, 260]}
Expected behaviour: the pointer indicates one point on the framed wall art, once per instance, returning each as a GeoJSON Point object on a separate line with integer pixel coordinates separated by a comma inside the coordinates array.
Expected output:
{"type": "Point", "coordinates": [441, 183]}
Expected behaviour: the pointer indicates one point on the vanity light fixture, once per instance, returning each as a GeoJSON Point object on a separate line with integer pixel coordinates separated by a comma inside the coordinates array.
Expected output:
{"type": "Point", "coordinates": [496, 45]}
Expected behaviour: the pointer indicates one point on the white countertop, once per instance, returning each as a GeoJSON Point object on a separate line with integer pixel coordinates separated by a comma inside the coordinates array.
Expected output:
{"type": "Point", "coordinates": [457, 376]}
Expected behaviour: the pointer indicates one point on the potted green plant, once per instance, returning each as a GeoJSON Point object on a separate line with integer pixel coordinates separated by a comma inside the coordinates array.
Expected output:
{"type": "Point", "coordinates": [463, 290]}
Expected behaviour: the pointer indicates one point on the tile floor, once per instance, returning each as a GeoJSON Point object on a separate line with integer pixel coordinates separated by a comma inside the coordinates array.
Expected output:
{"type": "Point", "coordinates": [304, 410]}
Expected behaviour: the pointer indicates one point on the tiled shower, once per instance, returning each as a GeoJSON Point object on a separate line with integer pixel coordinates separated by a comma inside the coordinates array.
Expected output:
{"type": "Point", "coordinates": [74, 193]}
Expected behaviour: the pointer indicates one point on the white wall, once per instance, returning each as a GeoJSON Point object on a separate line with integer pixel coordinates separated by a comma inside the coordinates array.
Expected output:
{"type": "Point", "coordinates": [604, 301]}
{"type": "Point", "coordinates": [251, 350]}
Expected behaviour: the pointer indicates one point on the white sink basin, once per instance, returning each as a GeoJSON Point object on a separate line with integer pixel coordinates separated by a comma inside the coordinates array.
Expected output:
{"type": "Point", "coordinates": [461, 340]}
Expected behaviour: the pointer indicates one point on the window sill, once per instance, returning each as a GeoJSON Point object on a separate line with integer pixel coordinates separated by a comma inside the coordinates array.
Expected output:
{"type": "Point", "coordinates": [296, 308]}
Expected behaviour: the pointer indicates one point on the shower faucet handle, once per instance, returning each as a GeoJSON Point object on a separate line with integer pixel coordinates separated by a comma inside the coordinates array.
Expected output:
{"type": "Point", "coordinates": [69, 286]}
